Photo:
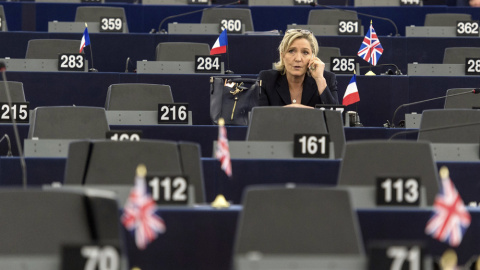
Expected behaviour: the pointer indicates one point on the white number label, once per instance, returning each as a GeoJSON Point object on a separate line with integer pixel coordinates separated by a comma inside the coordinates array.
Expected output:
{"type": "Point", "coordinates": [101, 258]}
{"type": "Point", "coordinates": [311, 145]}
{"type": "Point", "coordinates": [467, 28]}
{"type": "Point", "coordinates": [71, 62]}
{"type": "Point", "coordinates": [197, 1]}
{"type": "Point", "coordinates": [207, 64]}
{"type": "Point", "coordinates": [111, 25]}
{"type": "Point", "coordinates": [400, 254]}
{"type": "Point", "coordinates": [174, 113]}
{"type": "Point", "coordinates": [409, 2]}
{"type": "Point", "coordinates": [169, 190]}
{"type": "Point", "coordinates": [232, 25]}
{"type": "Point", "coordinates": [398, 191]}
{"type": "Point", "coordinates": [20, 112]}
{"type": "Point", "coordinates": [1, 24]}
{"type": "Point", "coordinates": [338, 108]}
{"type": "Point", "coordinates": [124, 135]}
{"type": "Point", "coordinates": [472, 66]}
{"type": "Point", "coordinates": [342, 65]}
{"type": "Point", "coordinates": [303, 2]}
{"type": "Point", "coordinates": [350, 27]}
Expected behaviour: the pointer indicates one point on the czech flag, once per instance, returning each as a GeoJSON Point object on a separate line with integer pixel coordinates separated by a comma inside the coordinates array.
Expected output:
{"type": "Point", "coordinates": [220, 45]}
{"type": "Point", "coordinates": [85, 40]}
{"type": "Point", "coordinates": [351, 94]}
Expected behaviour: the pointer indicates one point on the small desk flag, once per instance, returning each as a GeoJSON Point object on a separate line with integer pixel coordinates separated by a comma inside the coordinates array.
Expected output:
{"type": "Point", "coordinates": [139, 212]}
{"type": "Point", "coordinates": [85, 39]}
{"type": "Point", "coordinates": [351, 94]}
{"type": "Point", "coordinates": [371, 49]}
{"type": "Point", "coordinates": [223, 151]}
{"type": "Point", "coordinates": [220, 45]}
{"type": "Point", "coordinates": [450, 218]}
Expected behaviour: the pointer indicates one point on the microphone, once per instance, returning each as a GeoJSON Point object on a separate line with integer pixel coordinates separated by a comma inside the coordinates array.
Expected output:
{"type": "Point", "coordinates": [388, 72]}
{"type": "Point", "coordinates": [433, 128]}
{"type": "Point", "coordinates": [163, 31]}
{"type": "Point", "coordinates": [15, 128]}
{"type": "Point", "coordinates": [126, 64]}
{"type": "Point", "coordinates": [474, 91]}
{"type": "Point", "coordinates": [315, 4]}
{"type": "Point", "coordinates": [9, 153]}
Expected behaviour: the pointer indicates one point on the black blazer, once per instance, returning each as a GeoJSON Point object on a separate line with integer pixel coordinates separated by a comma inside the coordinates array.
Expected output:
{"type": "Point", "coordinates": [275, 92]}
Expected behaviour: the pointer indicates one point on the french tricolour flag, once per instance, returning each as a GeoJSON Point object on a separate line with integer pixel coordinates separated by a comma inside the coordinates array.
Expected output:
{"type": "Point", "coordinates": [351, 94]}
{"type": "Point", "coordinates": [85, 40]}
{"type": "Point", "coordinates": [220, 45]}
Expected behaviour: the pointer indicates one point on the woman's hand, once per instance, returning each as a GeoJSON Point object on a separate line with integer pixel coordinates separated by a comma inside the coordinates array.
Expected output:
{"type": "Point", "coordinates": [317, 67]}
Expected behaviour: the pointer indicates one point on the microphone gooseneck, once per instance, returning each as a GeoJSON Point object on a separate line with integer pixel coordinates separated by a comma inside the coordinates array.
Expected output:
{"type": "Point", "coordinates": [9, 153]}
{"type": "Point", "coordinates": [314, 4]}
{"type": "Point", "coordinates": [15, 128]}
{"type": "Point", "coordinates": [433, 129]}
{"type": "Point", "coordinates": [163, 31]}
{"type": "Point", "coordinates": [397, 70]}
{"type": "Point", "coordinates": [126, 64]}
{"type": "Point", "coordinates": [474, 91]}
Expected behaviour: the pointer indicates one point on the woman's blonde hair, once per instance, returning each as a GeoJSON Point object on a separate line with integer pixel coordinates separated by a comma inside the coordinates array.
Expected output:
{"type": "Point", "coordinates": [290, 36]}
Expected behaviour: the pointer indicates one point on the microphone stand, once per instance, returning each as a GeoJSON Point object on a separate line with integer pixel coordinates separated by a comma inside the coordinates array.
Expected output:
{"type": "Point", "coordinates": [392, 125]}
{"type": "Point", "coordinates": [15, 128]}
{"type": "Point", "coordinates": [360, 13]}
{"type": "Point", "coordinates": [163, 31]}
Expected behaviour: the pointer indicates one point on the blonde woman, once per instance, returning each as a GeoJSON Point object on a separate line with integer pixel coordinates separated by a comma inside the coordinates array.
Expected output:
{"type": "Point", "coordinates": [300, 79]}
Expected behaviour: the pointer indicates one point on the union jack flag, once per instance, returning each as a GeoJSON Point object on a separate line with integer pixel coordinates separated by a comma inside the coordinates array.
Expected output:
{"type": "Point", "coordinates": [371, 49]}
{"type": "Point", "coordinates": [223, 151]}
{"type": "Point", "coordinates": [450, 219]}
{"type": "Point", "coordinates": [139, 215]}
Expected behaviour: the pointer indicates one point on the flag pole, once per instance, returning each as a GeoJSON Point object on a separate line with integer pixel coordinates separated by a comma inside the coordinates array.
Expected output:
{"type": "Point", "coordinates": [370, 72]}
{"type": "Point", "coordinates": [91, 54]}
{"type": "Point", "coordinates": [228, 71]}
{"type": "Point", "coordinates": [220, 201]}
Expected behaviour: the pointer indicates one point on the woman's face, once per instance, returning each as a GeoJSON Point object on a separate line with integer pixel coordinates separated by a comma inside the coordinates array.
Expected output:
{"type": "Point", "coordinates": [297, 57]}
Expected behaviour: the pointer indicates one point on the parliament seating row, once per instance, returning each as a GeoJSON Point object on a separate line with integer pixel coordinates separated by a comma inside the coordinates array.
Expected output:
{"type": "Point", "coordinates": [246, 54]}
{"type": "Point", "coordinates": [213, 247]}
{"type": "Point", "coordinates": [380, 95]}
{"type": "Point", "coordinates": [222, 231]}
{"type": "Point", "coordinates": [209, 134]}
{"type": "Point", "coordinates": [142, 19]}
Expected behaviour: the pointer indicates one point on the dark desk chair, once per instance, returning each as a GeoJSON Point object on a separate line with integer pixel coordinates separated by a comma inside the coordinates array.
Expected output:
{"type": "Point", "coordinates": [108, 162]}
{"type": "Point", "coordinates": [445, 19]}
{"type": "Point", "coordinates": [137, 96]}
{"type": "Point", "coordinates": [64, 122]}
{"type": "Point", "coordinates": [63, 1]}
{"type": "Point", "coordinates": [466, 101]}
{"type": "Point", "coordinates": [94, 14]}
{"type": "Point", "coordinates": [50, 48]}
{"type": "Point", "coordinates": [215, 15]}
{"type": "Point", "coordinates": [4, 20]}
{"type": "Point", "coordinates": [281, 124]}
{"type": "Point", "coordinates": [290, 3]}
{"type": "Point", "coordinates": [38, 223]}
{"type": "Point", "coordinates": [457, 55]}
{"type": "Point", "coordinates": [16, 92]}
{"type": "Point", "coordinates": [329, 16]}
{"type": "Point", "coordinates": [300, 221]}
{"type": "Point", "coordinates": [325, 53]}
{"type": "Point", "coordinates": [364, 161]}
{"type": "Point", "coordinates": [445, 124]}
{"type": "Point", "coordinates": [180, 51]}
